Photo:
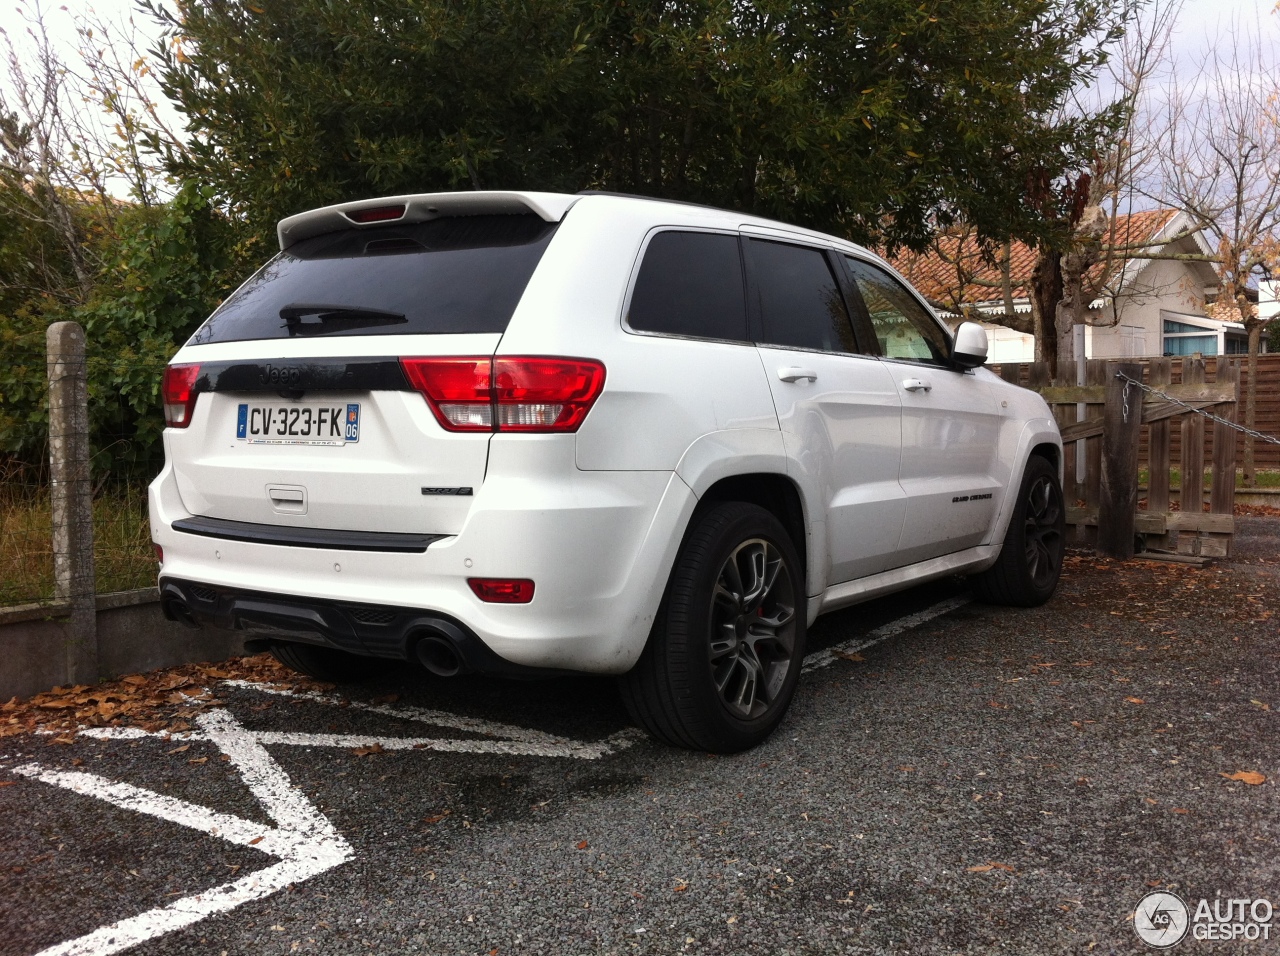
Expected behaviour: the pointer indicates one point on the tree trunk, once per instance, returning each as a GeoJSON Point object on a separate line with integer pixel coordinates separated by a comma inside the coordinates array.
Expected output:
{"type": "Point", "coordinates": [1046, 293]}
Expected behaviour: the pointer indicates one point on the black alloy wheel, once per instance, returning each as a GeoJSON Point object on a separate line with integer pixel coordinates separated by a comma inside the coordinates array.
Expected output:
{"type": "Point", "coordinates": [726, 649]}
{"type": "Point", "coordinates": [1026, 572]}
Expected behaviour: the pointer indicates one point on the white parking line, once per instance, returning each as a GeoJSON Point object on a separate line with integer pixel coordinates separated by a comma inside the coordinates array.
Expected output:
{"type": "Point", "coordinates": [830, 655]}
{"type": "Point", "coordinates": [303, 838]}
{"type": "Point", "coordinates": [437, 718]}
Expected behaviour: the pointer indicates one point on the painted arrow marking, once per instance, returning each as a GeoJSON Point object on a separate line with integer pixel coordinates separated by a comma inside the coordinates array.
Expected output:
{"type": "Point", "coordinates": [303, 840]}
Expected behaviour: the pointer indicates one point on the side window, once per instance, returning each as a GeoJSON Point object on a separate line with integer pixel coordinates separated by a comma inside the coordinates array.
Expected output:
{"type": "Point", "coordinates": [902, 326]}
{"type": "Point", "coordinates": [690, 283]}
{"type": "Point", "coordinates": [800, 302]}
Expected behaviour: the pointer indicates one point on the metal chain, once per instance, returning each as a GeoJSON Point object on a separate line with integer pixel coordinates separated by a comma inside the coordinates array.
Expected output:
{"type": "Point", "coordinates": [1260, 436]}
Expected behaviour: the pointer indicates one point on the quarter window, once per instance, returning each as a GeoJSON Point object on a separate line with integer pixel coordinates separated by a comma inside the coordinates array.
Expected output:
{"type": "Point", "coordinates": [690, 283]}
{"type": "Point", "coordinates": [904, 329]}
{"type": "Point", "coordinates": [800, 302]}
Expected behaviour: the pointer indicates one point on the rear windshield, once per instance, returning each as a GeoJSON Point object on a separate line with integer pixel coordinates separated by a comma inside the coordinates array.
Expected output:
{"type": "Point", "coordinates": [463, 274]}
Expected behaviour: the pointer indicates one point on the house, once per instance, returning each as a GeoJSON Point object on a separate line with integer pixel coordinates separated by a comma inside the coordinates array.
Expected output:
{"type": "Point", "coordinates": [1144, 306]}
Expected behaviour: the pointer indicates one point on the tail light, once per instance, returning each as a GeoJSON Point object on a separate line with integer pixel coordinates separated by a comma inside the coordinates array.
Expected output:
{"type": "Point", "coordinates": [508, 394]}
{"type": "Point", "coordinates": [179, 394]}
{"type": "Point", "coordinates": [502, 590]}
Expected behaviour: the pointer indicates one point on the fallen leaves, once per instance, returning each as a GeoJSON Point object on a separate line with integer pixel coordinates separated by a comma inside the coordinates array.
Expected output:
{"type": "Point", "coordinates": [989, 866]}
{"type": "Point", "coordinates": [1135, 700]}
{"type": "Point", "coordinates": [1251, 777]}
{"type": "Point", "coordinates": [373, 748]}
{"type": "Point", "coordinates": [164, 700]}
{"type": "Point", "coordinates": [849, 656]}
{"type": "Point", "coordinates": [582, 844]}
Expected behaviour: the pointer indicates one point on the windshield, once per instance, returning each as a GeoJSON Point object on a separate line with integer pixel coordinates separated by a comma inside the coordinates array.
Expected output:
{"type": "Point", "coordinates": [461, 274]}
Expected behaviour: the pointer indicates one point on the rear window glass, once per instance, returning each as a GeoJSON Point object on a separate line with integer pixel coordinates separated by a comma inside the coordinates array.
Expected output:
{"type": "Point", "coordinates": [690, 283]}
{"type": "Point", "coordinates": [462, 274]}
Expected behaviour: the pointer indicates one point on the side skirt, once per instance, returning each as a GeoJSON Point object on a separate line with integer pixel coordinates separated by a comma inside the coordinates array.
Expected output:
{"type": "Point", "coordinates": [886, 582]}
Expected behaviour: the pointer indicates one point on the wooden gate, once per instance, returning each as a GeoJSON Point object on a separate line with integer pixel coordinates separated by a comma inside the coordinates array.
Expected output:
{"type": "Point", "coordinates": [1107, 507]}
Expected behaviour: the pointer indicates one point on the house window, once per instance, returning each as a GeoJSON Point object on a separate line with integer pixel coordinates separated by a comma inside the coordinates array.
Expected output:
{"type": "Point", "coordinates": [1183, 339]}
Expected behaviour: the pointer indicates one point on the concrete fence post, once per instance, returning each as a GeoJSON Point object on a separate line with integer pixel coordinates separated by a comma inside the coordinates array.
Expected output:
{"type": "Point", "coordinates": [71, 497]}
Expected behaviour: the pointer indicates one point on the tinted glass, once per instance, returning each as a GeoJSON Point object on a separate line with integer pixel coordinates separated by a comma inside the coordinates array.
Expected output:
{"type": "Point", "coordinates": [902, 326]}
{"type": "Point", "coordinates": [463, 274]}
{"type": "Point", "coordinates": [690, 283]}
{"type": "Point", "coordinates": [800, 303]}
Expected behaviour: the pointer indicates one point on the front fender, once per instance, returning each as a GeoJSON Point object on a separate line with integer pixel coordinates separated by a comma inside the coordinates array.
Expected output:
{"type": "Point", "coordinates": [1036, 432]}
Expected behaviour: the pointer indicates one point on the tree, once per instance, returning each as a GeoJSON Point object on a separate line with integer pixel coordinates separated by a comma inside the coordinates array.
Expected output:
{"type": "Point", "coordinates": [880, 120]}
{"type": "Point", "coordinates": [1221, 162]}
{"type": "Point", "coordinates": [1080, 255]}
{"type": "Point", "coordinates": [138, 271]}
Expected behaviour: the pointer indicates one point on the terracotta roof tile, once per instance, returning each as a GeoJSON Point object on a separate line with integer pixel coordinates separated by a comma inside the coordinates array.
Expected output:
{"type": "Point", "coordinates": [955, 263]}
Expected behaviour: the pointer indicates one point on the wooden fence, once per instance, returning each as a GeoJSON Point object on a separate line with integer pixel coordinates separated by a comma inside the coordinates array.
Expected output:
{"type": "Point", "coordinates": [1266, 416]}
{"type": "Point", "coordinates": [1123, 423]}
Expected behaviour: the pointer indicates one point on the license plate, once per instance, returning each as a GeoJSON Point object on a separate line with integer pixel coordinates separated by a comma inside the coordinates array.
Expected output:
{"type": "Point", "coordinates": [298, 424]}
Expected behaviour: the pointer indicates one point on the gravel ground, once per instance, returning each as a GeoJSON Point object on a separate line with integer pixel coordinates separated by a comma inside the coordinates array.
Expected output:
{"type": "Point", "coordinates": [993, 780]}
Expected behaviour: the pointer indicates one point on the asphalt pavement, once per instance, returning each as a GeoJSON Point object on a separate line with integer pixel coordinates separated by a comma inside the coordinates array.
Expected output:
{"type": "Point", "coordinates": [954, 778]}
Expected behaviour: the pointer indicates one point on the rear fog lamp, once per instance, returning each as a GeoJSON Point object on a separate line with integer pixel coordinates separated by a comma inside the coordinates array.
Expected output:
{"type": "Point", "coordinates": [502, 590]}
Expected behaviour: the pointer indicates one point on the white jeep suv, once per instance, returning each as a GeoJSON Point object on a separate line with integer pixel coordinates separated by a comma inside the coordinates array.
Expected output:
{"type": "Point", "coordinates": [522, 433]}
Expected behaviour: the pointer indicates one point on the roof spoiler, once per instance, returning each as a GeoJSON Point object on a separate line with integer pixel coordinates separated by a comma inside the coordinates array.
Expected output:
{"type": "Point", "coordinates": [420, 208]}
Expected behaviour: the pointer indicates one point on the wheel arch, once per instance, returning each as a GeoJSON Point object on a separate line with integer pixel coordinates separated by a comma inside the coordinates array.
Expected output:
{"type": "Point", "coordinates": [1049, 452]}
{"type": "Point", "coordinates": [775, 493]}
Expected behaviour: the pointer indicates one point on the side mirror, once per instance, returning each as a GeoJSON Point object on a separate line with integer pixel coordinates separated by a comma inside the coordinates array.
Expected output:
{"type": "Point", "coordinates": [970, 347]}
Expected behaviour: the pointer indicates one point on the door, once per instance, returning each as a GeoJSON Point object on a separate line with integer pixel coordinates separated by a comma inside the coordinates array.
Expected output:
{"type": "Point", "coordinates": [838, 409]}
{"type": "Point", "coordinates": [950, 422]}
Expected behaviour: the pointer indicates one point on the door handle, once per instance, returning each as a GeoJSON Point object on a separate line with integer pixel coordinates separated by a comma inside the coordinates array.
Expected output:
{"type": "Point", "coordinates": [793, 374]}
{"type": "Point", "coordinates": [915, 385]}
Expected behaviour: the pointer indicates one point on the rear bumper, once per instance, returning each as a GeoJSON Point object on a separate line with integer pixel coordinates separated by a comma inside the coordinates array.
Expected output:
{"type": "Point", "coordinates": [370, 630]}
{"type": "Point", "coordinates": [598, 545]}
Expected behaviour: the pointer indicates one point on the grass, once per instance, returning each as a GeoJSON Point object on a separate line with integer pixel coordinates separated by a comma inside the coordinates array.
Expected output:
{"type": "Point", "coordinates": [123, 557]}
{"type": "Point", "coordinates": [1264, 479]}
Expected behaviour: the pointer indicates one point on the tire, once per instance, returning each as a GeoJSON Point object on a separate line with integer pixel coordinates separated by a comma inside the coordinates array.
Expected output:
{"type": "Point", "coordinates": [1030, 563]}
{"type": "Point", "coordinates": [325, 663]}
{"type": "Point", "coordinates": [724, 656]}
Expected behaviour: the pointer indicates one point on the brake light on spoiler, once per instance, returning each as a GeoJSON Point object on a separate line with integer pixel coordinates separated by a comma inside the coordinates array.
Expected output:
{"type": "Point", "coordinates": [507, 394]}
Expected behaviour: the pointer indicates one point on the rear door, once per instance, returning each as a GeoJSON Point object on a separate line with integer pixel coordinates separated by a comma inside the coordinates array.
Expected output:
{"type": "Point", "coordinates": [306, 417]}
{"type": "Point", "coordinates": [838, 409]}
{"type": "Point", "coordinates": [950, 422]}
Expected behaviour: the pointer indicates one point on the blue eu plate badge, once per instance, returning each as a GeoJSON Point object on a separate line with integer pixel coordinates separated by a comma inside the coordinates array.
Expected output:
{"type": "Point", "coordinates": [353, 422]}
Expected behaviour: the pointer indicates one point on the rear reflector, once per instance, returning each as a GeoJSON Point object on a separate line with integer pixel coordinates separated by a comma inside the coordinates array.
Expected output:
{"type": "Point", "coordinates": [159, 553]}
{"type": "Point", "coordinates": [508, 394]}
{"type": "Point", "coordinates": [177, 390]}
{"type": "Point", "coordinates": [502, 590]}
{"type": "Point", "coordinates": [378, 214]}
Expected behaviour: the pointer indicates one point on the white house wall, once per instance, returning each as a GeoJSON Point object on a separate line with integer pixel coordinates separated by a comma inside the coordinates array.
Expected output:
{"type": "Point", "coordinates": [1139, 331]}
